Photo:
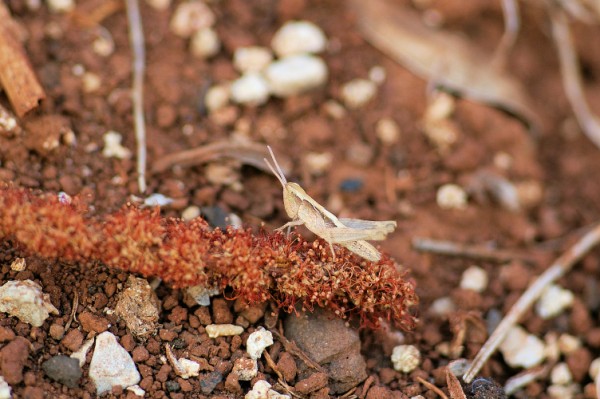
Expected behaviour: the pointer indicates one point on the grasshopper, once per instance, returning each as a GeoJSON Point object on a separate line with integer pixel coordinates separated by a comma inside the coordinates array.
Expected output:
{"type": "Point", "coordinates": [349, 233]}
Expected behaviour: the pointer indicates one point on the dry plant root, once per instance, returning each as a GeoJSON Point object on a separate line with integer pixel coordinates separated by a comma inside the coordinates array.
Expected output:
{"type": "Point", "coordinates": [284, 269]}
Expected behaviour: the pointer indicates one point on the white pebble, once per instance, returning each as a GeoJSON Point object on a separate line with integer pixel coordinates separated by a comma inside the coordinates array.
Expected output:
{"type": "Point", "coordinates": [159, 5]}
{"type": "Point", "coordinates": [262, 390]}
{"type": "Point", "coordinates": [202, 294]}
{"type": "Point", "coordinates": [251, 89]}
{"type": "Point", "coordinates": [405, 358]}
{"type": "Point", "coordinates": [258, 341]}
{"type": "Point", "coordinates": [252, 59]}
{"type": "Point", "coordinates": [111, 365]}
{"type": "Point", "coordinates": [104, 44]}
{"type": "Point", "coordinates": [137, 390]}
{"type": "Point", "coordinates": [223, 330]}
{"type": "Point", "coordinates": [562, 391]}
{"type": "Point", "coordinates": [334, 109]}
{"type": "Point", "coordinates": [442, 306]}
{"type": "Point", "coordinates": [358, 92]}
{"type": "Point", "coordinates": [4, 389]}
{"type": "Point", "coordinates": [318, 163]}
{"type": "Point", "coordinates": [205, 43]}
{"type": "Point", "coordinates": [561, 375]}
{"type": "Point", "coordinates": [245, 369]}
{"type": "Point", "coordinates": [377, 74]}
{"type": "Point", "coordinates": [217, 97]}
{"type": "Point", "coordinates": [190, 213]}
{"type": "Point", "coordinates": [60, 6]}
{"type": "Point", "coordinates": [190, 17]}
{"type": "Point", "coordinates": [474, 278]}
{"type": "Point", "coordinates": [113, 147]}
{"type": "Point", "coordinates": [568, 343]}
{"type": "Point", "coordinates": [90, 82]}
{"type": "Point", "coordinates": [157, 199]}
{"type": "Point", "coordinates": [387, 130]}
{"type": "Point", "coordinates": [594, 368]}
{"type": "Point", "coordinates": [18, 265]}
{"type": "Point", "coordinates": [521, 349]}
{"type": "Point", "coordinates": [298, 37]}
{"type": "Point", "coordinates": [184, 368]}
{"type": "Point", "coordinates": [25, 300]}
{"type": "Point", "coordinates": [296, 74]}
{"type": "Point", "coordinates": [554, 301]}
{"type": "Point", "coordinates": [451, 196]}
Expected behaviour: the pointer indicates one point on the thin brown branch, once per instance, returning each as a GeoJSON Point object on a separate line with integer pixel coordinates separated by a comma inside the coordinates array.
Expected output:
{"type": "Point", "coordinates": [16, 74]}
{"type": "Point", "coordinates": [558, 269]}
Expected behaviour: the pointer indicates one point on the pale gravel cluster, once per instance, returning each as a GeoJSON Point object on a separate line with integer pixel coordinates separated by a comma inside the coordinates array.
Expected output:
{"type": "Point", "coordinates": [405, 358]}
{"type": "Point", "coordinates": [521, 349]}
{"type": "Point", "coordinates": [554, 301]}
{"type": "Point", "coordinates": [451, 196]}
{"type": "Point", "coordinates": [111, 365]}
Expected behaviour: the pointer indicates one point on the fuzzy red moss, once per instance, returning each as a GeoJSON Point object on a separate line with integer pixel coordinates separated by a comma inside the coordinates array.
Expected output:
{"type": "Point", "coordinates": [257, 267]}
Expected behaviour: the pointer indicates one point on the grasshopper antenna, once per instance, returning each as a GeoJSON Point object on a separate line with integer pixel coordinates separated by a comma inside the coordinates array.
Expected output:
{"type": "Point", "coordinates": [280, 176]}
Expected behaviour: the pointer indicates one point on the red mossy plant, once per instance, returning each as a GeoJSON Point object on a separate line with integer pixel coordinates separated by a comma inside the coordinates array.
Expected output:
{"type": "Point", "coordinates": [259, 267]}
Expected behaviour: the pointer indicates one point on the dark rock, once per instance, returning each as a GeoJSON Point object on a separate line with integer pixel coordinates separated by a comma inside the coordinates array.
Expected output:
{"type": "Point", "coordinates": [12, 360]}
{"type": "Point", "coordinates": [63, 369]}
{"type": "Point", "coordinates": [172, 386]}
{"type": "Point", "coordinates": [210, 381]}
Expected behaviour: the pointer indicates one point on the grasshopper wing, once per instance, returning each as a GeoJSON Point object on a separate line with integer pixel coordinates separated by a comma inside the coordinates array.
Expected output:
{"type": "Point", "coordinates": [364, 249]}
{"type": "Point", "coordinates": [385, 225]}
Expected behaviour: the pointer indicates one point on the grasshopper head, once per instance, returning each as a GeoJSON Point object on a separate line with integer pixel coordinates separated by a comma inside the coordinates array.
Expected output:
{"type": "Point", "coordinates": [292, 199]}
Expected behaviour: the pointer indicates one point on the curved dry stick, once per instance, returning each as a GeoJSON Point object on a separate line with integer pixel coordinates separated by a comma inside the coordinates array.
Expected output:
{"type": "Point", "coordinates": [559, 268]}
{"type": "Point", "coordinates": [590, 125]}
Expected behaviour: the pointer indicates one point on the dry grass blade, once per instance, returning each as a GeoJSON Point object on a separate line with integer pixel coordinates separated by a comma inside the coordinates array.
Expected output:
{"type": "Point", "coordinates": [590, 124]}
{"type": "Point", "coordinates": [515, 383]}
{"type": "Point", "coordinates": [443, 58]}
{"type": "Point", "coordinates": [559, 268]}
{"type": "Point", "coordinates": [247, 153]}
{"type": "Point", "coordinates": [136, 37]}
{"type": "Point", "coordinates": [454, 387]}
{"type": "Point", "coordinates": [432, 387]}
{"type": "Point", "coordinates": [512, 23]}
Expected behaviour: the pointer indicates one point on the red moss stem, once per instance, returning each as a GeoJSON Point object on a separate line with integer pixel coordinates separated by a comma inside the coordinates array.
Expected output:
{"type": "Point", "coordinates": [257, 267]}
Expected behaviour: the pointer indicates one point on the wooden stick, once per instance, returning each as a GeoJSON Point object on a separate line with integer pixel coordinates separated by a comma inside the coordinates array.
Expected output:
{"type": "Point", "coordinates": [16, 74]}
{"type": "Point", "coordinates": [558, 269]}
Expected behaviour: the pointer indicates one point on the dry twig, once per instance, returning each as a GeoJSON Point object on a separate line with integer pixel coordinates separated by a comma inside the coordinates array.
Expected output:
{"type": "Point", "coordinates": [559, 268]}
{"type": "Point", "coordinates": [450, 248]}
{"type": "Point", "coordinates": [136, 37]}
{"type": "Point", "coordinates": [432, 387]}
{"type": "Point", "coordinates": [16, 74]}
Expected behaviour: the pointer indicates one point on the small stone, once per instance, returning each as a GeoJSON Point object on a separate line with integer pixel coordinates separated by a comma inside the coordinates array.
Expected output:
{"type": "Point", "coordinates": [474, 278]}
{"type": "Point", "coordinates": [318, 163]}
{"type": "Point", "coordinates": [252, 59]}
{"type": "Point", "coordinates": [245, 369]}
{"type": "Point", "coordinates": [521, 349]}
{"type": "Point", "coordinates": [562, 391]}
{"type": "Point", "coordinates": [388, 131]}
{"type": "Point", "coordinates": [91, 82]}
{"type": "Point", "coordinates": [223, 330]}
{"type": "Point", "coordinates": [113, 147]}
{"type": "Point", "coordinates": [12, 360]}
{"type": "Point", "coordinates": [57, 331]}
{"type": "Point", "coordinates": [250, 89]}
{"type": "Point", "coordinates": [594, 368]}
{"type": "Point", "coordinates": [554, 301]}
{"type": "Point", "coordinates": [377, 74]}
{"type": "Point", "coordinates": [568, 343]}
{"type": "Point", "coordinates": [358, 92]}
{"type": "Point", "coordinates": [295, 74]}
{"type": "Point", "coordinates": [561, 375]}
{"type": "Point", "coordinates": [139, 307]}
{"type": "Point", "coordinates": [184, 368]}
{"type": "Point", "coordinates": [137, 390]}
{"type": "Point", "coordinates": [202, 294]}
{"type": "Point", "coordinates": [73, 340]}
{"type": "Point", "coordinates": [258, 341]}
{"type": "Point", "coordinates": [90, 322]}
{"type": "Point", "coordinates": [157, 199]}
{"type": "Point", "coordinates": [190, 213]}
{"type": "Point", "coordinates": [360, 153]}
{"type": "Point", "coordinates": [405, 358]}
{"type": "Point", "coordinates": [18, 265]}
{"type": "Point", "coordinates": [262, 390]}
{"type": "Point", "coordinates": [298, 37]}
{"type": "Point", "coordinates": [4, 389]}
{"type": "Point", "coordinates": [221, 312]}
{"type": "Point", "coordinates": [451, 196]}
{"type": "Point", "coordinates": [190, 17]}
{"type": "Point", "coordinates": [217, 97]}
{"type": "Point", "coordinates": [313, 383]}
{"type": "Point", "coordinates": [287, 365]}
{"type": "Point", "coordinates": [61, 6]}
{"type": "Point", "coordinates": [63, 369]}
{"type": "Point", "coordinates": [159, 5]}
{"type": "Point", "coordinates": [111, 365]}
{"type": "Point", "coordinates": [26, 301]}
{"type": "Point", "coordinates": [210, 381]}
{"type": "Point", "coordinates": [205, 43]}
{"type": "Point", "coordinates": [442, 306]}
